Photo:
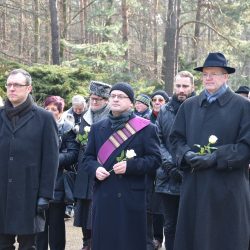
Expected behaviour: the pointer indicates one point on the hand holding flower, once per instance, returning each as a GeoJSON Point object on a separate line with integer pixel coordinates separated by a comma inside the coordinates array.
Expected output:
{"type": "Point", "coordinates": [101, 173]}
{"type": "Point", "coordinates": [121, 165]}
{"type": "Point", "coordinates": [207, 148]}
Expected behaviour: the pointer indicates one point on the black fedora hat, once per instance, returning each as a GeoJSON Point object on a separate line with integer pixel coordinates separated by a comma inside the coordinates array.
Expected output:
{"type": "Point", "coordinates": [243, 90]}
{"type": "Point", "coordinates": [216, 60]}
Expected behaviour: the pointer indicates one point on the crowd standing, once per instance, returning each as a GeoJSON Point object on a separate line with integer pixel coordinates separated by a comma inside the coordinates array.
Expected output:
{"type": "Point", "coordinates": [129, 170]}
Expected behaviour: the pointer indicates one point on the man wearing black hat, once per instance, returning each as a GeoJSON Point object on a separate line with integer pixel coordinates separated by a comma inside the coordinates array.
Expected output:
{"type": "Point", "coordinates": [243, 90]}
{"type": "Point", "coordinates": [121, 150]}
{"type": "Point", "coordinates": [211, 139]}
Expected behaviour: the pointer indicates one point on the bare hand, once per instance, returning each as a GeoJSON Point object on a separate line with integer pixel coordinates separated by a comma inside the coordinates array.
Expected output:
{"type": "Point", "coordinates": [120, 167]}
{"type": "Point", "coordinates": [101, 173]}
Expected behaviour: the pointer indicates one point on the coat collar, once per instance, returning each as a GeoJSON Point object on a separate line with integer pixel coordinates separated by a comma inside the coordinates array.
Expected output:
{"type": "Point", "coordinates": [222, 100]}
{"type": "Point", "coordinates": [21, 122]}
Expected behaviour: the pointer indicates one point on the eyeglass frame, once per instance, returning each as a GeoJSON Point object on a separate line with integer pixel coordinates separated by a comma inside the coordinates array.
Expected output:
{"type": "Point", "coordinates": [212, 75]}
{"type": "Point", "coordinates": [118, 97]}
{"type": "Point", "coordinates": [15, 85]}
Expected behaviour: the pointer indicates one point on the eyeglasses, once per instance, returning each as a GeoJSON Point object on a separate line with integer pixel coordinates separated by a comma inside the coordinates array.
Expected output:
{"type": "Point", "coordinates": [158, 99]}
{"type": "Point", "coordinates": [15, 85]}
{"type": "Point", "coordinates": [212, 75]}
{"type": "Point", "coordinates": [119, 97]}
{"type": "Point", "coordinates": [94, 99]}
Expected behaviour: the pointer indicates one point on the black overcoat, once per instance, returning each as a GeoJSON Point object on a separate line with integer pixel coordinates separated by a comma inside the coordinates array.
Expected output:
{"type": "Point", "coordinates": [214, 203]}
{"type": "Point", "coordinates": [28, 167]}
{"type": "Point", "coordinates": [119, 202]}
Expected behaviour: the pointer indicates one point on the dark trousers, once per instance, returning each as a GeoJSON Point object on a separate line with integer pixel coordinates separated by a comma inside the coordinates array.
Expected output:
{"type": "Point", "coordinates": [170, 207]}
{"type": "Point", "coordinates": [54, 234]}
{"type": "Point", "coordinates": [150, 234]}
{"type": "Point", "coordinates": [158, 222]}
{"type": "Point", "coordinates": [26, 242]}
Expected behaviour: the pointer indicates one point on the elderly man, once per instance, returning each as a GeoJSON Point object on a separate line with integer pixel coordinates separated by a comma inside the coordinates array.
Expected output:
{"type": "Point", "coordinates": [28, 163]}
{"type": "Point", "coordinates": [211, 139]}
{"type": "Point", "coordinates": [168, 176]}
{"type": "Point", "coordinates": [121, 150]}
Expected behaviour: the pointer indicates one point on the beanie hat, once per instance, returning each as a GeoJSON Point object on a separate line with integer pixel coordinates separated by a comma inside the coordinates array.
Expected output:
{"type": "Point", "coordinates": [100, 89]}
{"type": "Point", "coordinates": [162, 93]}
{"type": "Point", "coordinates": [143, 99]}
{"type": "Point", "coordinates": [126, 88]}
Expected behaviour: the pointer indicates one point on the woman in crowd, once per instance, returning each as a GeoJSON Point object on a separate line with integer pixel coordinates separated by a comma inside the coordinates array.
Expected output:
{"type": "Point", "coordinates": [54, 234]}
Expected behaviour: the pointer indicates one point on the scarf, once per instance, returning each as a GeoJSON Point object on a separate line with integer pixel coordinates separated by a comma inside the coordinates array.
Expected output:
{"type": "Point", "coordinates": [175, 103]}
{"type": "Point", "coordinates": [213, 97]}
{"type": "Point", "coordinates": [99, 114]}
{"type": "Point", "coordinates": [118, 122]}
{"type": "Point", "coordinates": [15, 113]}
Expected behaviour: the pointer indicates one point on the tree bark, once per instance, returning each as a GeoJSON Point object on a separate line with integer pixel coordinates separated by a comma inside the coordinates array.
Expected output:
{"type": "Point", "coordinates": [54, 32]}
{"type": "Point", "coordinates": [155, 33]}
{"type": "Point", "coordinates": [125, 30]}
{"type": "Point", "coordinates": [169, 49]}
{"type": "Point", "coordinates": [36, 31]}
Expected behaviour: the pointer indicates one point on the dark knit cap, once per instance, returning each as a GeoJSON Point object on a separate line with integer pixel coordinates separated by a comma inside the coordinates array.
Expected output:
{"type": "Point", "coordinates": [162, 93]}
{"type": "Point", "coordinates": [144, 99]}
{"type": "Point", "coordinates": [126, 88]}
{"type": "Point", "coordinates": [242, 90]}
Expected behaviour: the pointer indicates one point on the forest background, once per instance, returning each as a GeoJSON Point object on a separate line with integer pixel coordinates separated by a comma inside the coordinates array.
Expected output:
{"type": "Point", "coordinates": [65, 44]}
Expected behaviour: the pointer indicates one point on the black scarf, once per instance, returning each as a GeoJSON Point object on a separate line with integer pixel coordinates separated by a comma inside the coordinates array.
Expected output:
{"type": "Point", "coordinates": [118, 122]}
{"type": "Point", "coordinates": [175, 103]}
{"type": "Point", "coordinates": [15, 113]}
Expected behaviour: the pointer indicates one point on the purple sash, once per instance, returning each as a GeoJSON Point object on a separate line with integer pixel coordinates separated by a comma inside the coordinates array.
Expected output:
{"type": "Point", "coordinates": [116, 139]}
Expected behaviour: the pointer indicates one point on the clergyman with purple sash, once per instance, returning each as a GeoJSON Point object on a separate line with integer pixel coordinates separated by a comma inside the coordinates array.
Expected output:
{"type": "Point", "coordinates": [121, 150]}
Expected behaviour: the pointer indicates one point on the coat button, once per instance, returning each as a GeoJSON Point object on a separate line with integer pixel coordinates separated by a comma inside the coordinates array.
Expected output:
{"type": "Point", "coordinates": [119, 195]}
{"type": "Point", "coordinates": [11, 158]}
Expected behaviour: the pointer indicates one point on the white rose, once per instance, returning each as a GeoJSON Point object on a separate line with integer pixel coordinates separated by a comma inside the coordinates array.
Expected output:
{"type": "Point", "coordinates": [212, 139]}
{"type": "Point", "coordinates": [130, 153]}
{"type": "Point", "coordinates": [86, 129]}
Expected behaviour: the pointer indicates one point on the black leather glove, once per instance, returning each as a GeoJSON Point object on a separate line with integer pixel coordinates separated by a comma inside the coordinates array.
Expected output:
{"type": "Point", "coordinates": [176, 174]}
{"type": "Point", "coordinates": [42, 205]}
{"type": "Point", "coordinates": [189, 156]}
{"type": "Point", "coordinates": [167, 167]}
{"type": "Point", "coordinates": [203, 161]}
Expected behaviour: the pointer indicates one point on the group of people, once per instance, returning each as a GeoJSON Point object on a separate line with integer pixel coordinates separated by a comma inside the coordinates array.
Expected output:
{"type": "Point", "coordinates": [137, 158]}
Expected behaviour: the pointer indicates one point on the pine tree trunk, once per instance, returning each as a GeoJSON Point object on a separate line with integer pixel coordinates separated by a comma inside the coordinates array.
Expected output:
{"type": "Point", "coordinates": [54, 32]}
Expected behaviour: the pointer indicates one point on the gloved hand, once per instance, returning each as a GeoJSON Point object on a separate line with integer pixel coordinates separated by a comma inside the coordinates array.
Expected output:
{"type": "Point", "coordinates": [203, 161]}
{"type": "Point", "coordinates": [176, 174]}
{"type": "Point", "coordinates": [189, 156]}
{"type": "Point", "coordinates": [167, 166]}
{"type": "Point", "coordinates": [42, 205]}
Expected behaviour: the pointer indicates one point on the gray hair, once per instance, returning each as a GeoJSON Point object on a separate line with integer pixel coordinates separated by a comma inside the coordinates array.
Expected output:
{"type": "Point", "coordinates": [78, 100]}
{"type": "Point", "coordinates": [24, 73]}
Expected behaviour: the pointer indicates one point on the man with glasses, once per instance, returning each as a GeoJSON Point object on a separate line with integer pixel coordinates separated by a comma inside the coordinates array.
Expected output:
{"type": "Point", "coordinates": [121, 150]}
{"type": "Point", "coordinates": [211, 141]}
{"type": "Point", "coordinates": [98, 110]}
{"type": "Point", "coordinates": [169, 178]}
{"type": "Point", "coordinates": [28, 163]}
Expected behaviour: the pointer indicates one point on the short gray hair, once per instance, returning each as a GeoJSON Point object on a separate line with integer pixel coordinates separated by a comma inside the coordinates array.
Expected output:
{"type": "Point", "coordinates": [26, 74]}
{"type": "Point", "coordinates": [79, 100]}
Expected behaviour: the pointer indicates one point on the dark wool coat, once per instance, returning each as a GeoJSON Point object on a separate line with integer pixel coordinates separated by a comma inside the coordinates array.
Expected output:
{"type": "Point", "coordinates": [119, 202]}
{"type": "Point", "coordinates": [214, 209]}
{"type": "Point", "coordinates": [28, 167]}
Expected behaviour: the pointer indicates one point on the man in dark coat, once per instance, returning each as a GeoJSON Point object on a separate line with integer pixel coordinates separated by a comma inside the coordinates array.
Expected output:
{"type": "Point", "coordinates": [28, 163]}
{"type": "Point", "coordinates": [119, 197]}
{"type": "Point", "coordinates": [214, 210]}
{"type": "Point", "coordinates": [168, 178]}
{"type": "Point", "coordinates": [98, 110]}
